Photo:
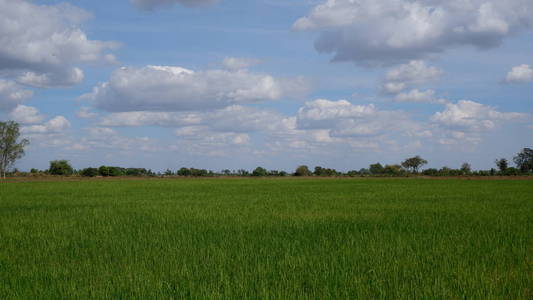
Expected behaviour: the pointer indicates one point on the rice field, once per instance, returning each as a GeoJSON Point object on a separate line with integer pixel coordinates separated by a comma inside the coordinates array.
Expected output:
{"type": "Point", "coordinates": [267, 239]}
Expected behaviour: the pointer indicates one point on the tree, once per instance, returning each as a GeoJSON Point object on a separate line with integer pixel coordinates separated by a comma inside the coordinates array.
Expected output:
{"type": "Point", "coordinates": [103, 171]}
{"type": "Point", "coordinates": [414, 163]}
{"type": "Point", "coordinates": [60, 167]}
{"type": "Point", "coordinates": [524, 160]}
{"type": "Point", "coordinates": [10, 149]}
{"type": "Point", "coordinates": [502, 164]}
{"type": "Point", "coordinates": [89, 172]}
{"type": "Point", "coordinates": [376, 168]}
{"type": "Point", "coordinates": [466, 169]}
{"type": "Point", "coordinates": [303, 171]}
{"type": "Point", "coordinates": [260, 172]}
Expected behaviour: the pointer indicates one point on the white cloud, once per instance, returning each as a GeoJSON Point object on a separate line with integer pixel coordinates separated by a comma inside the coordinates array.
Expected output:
{"type": "Point", "coordinates": [239, 63]}
{"type": "Point", "coordinates": [234, 118]}
{"type": "Point", "coordinates": [471, 116]}
{"type": "Point", "coordinates": [391, 31]}
{"type": "Point", "coordinates": [344, 119]}
{"type": "Point", "coordinates": [419, 96]}
{"type": "Point", "coordinates": [164, 88]}
{"type": "Point", "coordinates": [42, 43]}
{"type": "Point", "coordinates": [520, 74]}
{"type": "Point", "coordinates": [415, 72]}
{"type": "Point", "coordinates": [60, 78]}
{"type": "Point", "coordinates": [26, 115]}
{"type": "Point", "coordinates": [12, 94]}
{"type": "Point", "coordinates": [151, 4]}
{"type": "Point", "coordinates": [55, 125]}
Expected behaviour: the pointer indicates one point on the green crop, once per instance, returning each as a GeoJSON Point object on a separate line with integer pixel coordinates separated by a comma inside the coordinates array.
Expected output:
{"type": "Point", "coordinates": [267, 239]}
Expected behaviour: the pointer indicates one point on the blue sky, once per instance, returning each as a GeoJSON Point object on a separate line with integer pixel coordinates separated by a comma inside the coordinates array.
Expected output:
{"type": "Point", "coordinates": [239, 84]}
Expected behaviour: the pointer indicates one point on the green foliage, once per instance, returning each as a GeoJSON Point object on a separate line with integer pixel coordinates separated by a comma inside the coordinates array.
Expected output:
{"type": "Point", "coordinates": [375, 169]}
{"type": "Point", "coordinates": [11, 149]}
{"type": "Point", "coordinates": [524, 160]}
{"type": "Point", "coordinates": [194, 172]}
{"type": "Point", "coordinates": [502, 164]}
{"type": "Point", "coordinates": [89, 172]}
{"type": "Point", "coordinates": [393, 170]}
{"type": "Point", "coordinates": [319, 171]}
{"type": "Point", "coordinates": [60, 167]}
{"type": "Point", "coordinates": [266, 239]}
{"type": "Point", "coordinates": [414, 163]}
{"type": "Point", "coordinates": [260, 172]}
{"type": "Point", "coordinates": [303, 171]}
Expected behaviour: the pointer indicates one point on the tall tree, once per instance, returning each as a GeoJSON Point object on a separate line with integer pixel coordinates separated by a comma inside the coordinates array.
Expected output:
{"type": "Point", "coordinates": [10, 148]}
{"type": "Point", "coordinates": [414, 163]}
{"type": "Point", "coordinates": [502, 164]}
{"type": "Point", "coordinates": [524, 160]}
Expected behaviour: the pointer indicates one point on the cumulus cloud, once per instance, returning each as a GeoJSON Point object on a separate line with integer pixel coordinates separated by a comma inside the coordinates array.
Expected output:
{"type": "Point", "coordinates": [415, 72]}
{"type": "Point", "coordinates": [12, 94]}
{"type": "Point", "coordinates": [471, 116]}
{"type": "Point", "coordinates": [59, 78]}
{"type": "Point", "coordinates": [151, 4]}
{"type": "Point", "coordinates": [165, 88]}
{"type": "Point", "coordinates": [26, 115]}
{"type": "Point", "coordinates": [42, 43]}
{"type": "Point", "coordinates": [55, 125]}
{"type": "Point", "coordinates": [344, 119]}
{"type": "Point", "coordinates": [520, 74]}
{"type": "Point", "coordinates": [391, 31]}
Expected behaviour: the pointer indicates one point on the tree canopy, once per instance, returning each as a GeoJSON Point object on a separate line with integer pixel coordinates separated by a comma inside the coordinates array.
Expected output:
{"type": "Point", "coordinates": [414, 163]}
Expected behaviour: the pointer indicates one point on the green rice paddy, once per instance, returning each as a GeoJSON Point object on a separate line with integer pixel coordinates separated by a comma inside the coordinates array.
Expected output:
{"type": "Point", "coordinates": [267, 239]}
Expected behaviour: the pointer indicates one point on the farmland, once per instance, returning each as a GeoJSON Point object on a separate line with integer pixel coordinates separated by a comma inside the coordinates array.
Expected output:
{"type": "Point", "coordinates": [266, 238]}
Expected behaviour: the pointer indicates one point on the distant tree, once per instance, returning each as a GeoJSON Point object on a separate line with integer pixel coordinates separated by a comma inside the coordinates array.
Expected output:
{"type": "Point", "coordinates": [60, 167]}
{"type": "Point", "coordinates": [502, 164]}
{"type": "Point", "coordinates": [303, 171]}
{"type": "Point", "coordinates": [393, 170]}
{"type": "Point", "coordinates": [10, 148]}
{"type": "Point", "coordinates": [34, 171]}
{"type": "Point", "coordinates": [414, 163]}
{"type": "Point", "coordinates": [103, 171]}
{"type": "Point", "coordinates": [184, 172]}
{"type": "Point", "coordinates": [226, 172]}
{"type": "Point", "coordinates": [524, 160]}
{"type": "Point", "coordinates": [169, 172]}
{"type": "Point", "coordinates": [466, 169]}
{"type": "Point", "coordinates": [89, 172]}
{"type": "Point", "coordinates": [259, 171]}
{"type": "Point", "coordinates": [364, 171]}
{"type": "Point", "coordinates": [431, 172]}
{"type": "Point", "coordinates": [115, 171]}
{"type": "Point", "coordinates": [375, 169]}
{"type": "Point", "coordinates": [243, 172]}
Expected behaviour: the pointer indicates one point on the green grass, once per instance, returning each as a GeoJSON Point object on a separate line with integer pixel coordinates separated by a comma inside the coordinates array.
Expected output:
{"type": "Point", "coordinates": [270, 239]}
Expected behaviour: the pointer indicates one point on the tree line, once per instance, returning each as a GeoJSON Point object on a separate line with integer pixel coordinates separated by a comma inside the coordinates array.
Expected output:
{"type": "Point", "coordinates": [12, 149]}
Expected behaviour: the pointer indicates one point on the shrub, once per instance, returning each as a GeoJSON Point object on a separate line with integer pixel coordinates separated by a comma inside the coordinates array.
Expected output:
{"type": "Point", "coordinates": [60, 167]}
{"type": "Point", "coordinates": [89, 172]}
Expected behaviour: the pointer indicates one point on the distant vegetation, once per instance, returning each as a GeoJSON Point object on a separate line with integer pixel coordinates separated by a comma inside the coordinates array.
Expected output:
{"type": "Point", "coordinates": [409, 167]}
{"type": "Point", "coordinates": [11, 149]}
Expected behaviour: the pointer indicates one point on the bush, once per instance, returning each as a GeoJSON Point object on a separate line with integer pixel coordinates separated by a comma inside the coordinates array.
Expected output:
{"type": "Point", "coordinates": [302, 171]}
{"type": "Point", "coordinates": [89, 172]}
{"type": "Point", "coordinates": [60, 167]}
{"type": "Point", "coordinates": [260, 172]}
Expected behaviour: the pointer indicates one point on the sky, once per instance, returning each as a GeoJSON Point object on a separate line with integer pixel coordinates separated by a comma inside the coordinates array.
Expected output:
{"type": "Point", "coordinates": [219, 84]}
